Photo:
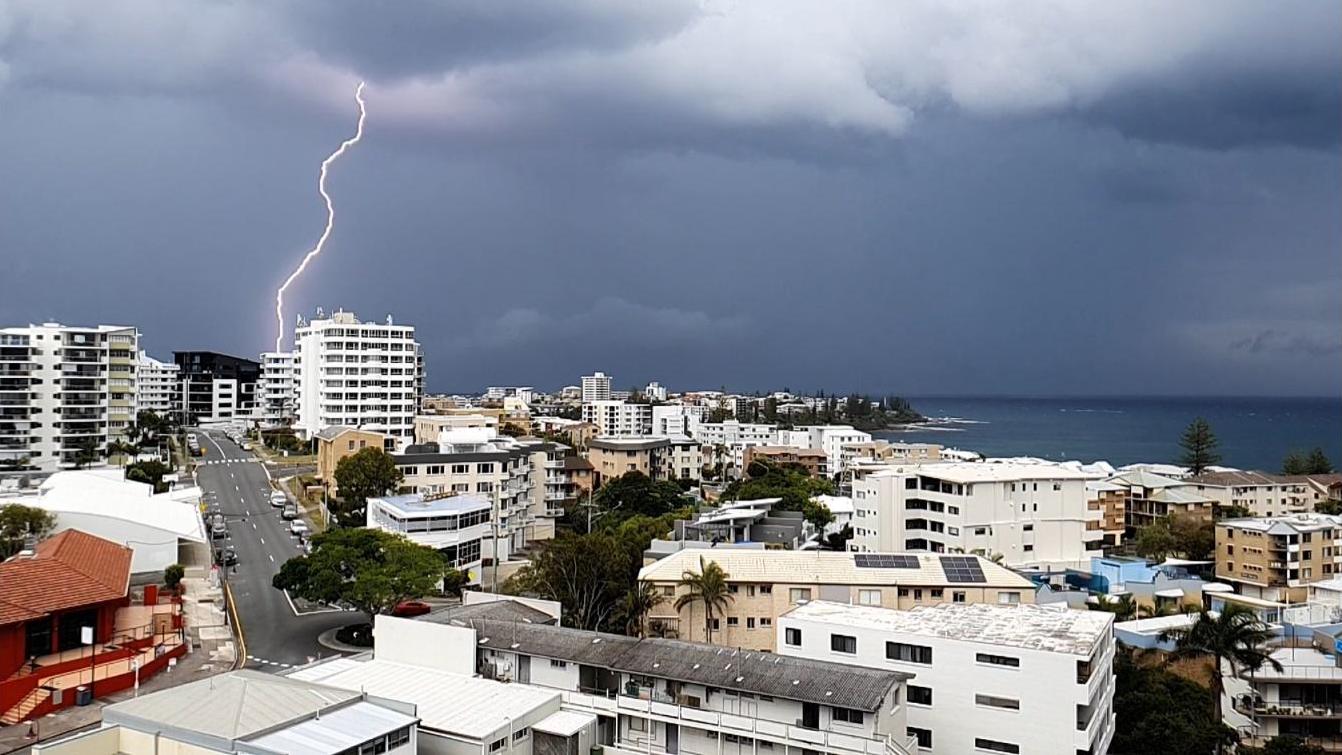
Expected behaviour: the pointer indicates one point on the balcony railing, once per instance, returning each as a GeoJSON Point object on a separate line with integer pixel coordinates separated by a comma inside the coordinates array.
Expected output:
{"type": "Point", "coordinates": [1252, 706]}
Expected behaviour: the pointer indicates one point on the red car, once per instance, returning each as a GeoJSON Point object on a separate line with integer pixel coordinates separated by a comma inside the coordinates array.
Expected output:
{"type": "Point", "coordinates": [411, 608]}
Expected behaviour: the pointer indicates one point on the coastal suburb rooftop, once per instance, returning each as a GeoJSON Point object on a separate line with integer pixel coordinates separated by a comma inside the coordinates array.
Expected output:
{"type": "Point", "coordinates": [724, 668]}
{"type": "Point", "coordinates": [411, 504]}
{"type": "Point", "coordinates": [1003, 472]}
{"type": "Point", "coordinates": [829, 567]}
{"type": "Point", "coordinates": [1286, 525]}
{"type": "Point", "coordinates": [1049, 628]}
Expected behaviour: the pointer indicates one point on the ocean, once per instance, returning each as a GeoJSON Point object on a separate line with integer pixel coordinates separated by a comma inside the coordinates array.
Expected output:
{"type": "Point", "coordinates": [1254, 433]}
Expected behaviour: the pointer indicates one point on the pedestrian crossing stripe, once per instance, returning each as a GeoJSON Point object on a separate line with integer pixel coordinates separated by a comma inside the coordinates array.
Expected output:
{"type": "Point", "coordinates": [265, 662]}
{"type": "Point", "coordinates": [231, 461]}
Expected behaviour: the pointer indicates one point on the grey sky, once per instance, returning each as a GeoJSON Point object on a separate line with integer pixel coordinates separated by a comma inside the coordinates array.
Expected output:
{"type": "Point", "coordinates": [913, 197]}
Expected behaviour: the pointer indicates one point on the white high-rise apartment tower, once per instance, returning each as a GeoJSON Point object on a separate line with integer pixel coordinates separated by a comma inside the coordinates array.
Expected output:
{"type": "Point", "coordinates": [360, 374]}
{"type": "Point", "coordinates": [275, 389]}
{"type": "Point", "coordinates": [158, 387]}
{"type": "Point", "coordinates": [596, 387]}
{"type": "Point", "coordinates": [64, 389]}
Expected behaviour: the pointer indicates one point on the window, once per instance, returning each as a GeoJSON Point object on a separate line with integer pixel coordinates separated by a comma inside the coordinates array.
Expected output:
{"type": "Point", "coordinates": [995, 746]}
{"type": "Point", "coordinates": [499, 744]}
{"type": "Point", "coordinates": [765, 621]}
{"type": "Point", "coordinates": [461, 468]}
{"type": "Point", "coordinates": [990, 701]}
{"type": "Point", "coordinates": [869, 597]}
{"type": "Point", "coordinates": [899, 651]}
{"type": "Point", "coordinates": [1008, 598]}
{"type": "Point", "coordinates": [766, 589]}
{"type": "Point", "coordinates": [521, 734]}
{"type": "Point", "coordinates": [792, 636]}
{"type": "Point", "coordinates": [937, 593]}
{"type": "Point", "coordinates": [997, 660]}
{"type": "Point", "coordinates": [920, 695]}
{"type": "Point", "coordinates": [924, 736]}
{"type": "Point", "coordinates": [558, 664]}
{"type": "Point", "coordinates": [733, 589]}
{"type": "Point", "coordinates": [750, 622]}
{"type": "Point", "coordinates": [398, 738]}
{"type": "Point", "coordinates": [1028, 528]}
{"type": "Point", "coordinates": [798, 594]}
{"type": "Point", "coordinates": [732, 621]}
{"type": "Point", "coordinates": [847, 715]}
{"type": "Point", "coordinates": [637, 724]}
{"type": "Point", "coordinates": [843, 643]}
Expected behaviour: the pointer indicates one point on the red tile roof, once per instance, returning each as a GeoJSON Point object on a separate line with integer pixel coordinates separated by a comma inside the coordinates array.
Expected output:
{"type": "Point", "coordinates": [69, 570]}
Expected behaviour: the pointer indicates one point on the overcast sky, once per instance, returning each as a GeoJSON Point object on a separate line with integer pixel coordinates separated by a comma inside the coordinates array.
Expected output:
{"type": "Point", "coordinates": [985, 198]}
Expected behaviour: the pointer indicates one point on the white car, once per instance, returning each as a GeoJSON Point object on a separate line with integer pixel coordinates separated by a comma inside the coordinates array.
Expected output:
{"type": "Point", "coordinates": [278, 499]}
{"type": "Point", "coordinates": [297, 527]}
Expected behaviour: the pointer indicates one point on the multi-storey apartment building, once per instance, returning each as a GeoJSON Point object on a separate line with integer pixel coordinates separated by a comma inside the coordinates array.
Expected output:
{"type": "Point", "coordinates": [1149, 497]}
{"type": "Point", "coordinates": [456, 525]}
{"type": "Point", "coordinates": [64, 391]}
{"type": "Point", "coordinates": [158, 387]}
{"type": "Point", "coordinates": [360, 374]}
{"type": "Point", "coordinates": [677, 419]}
{"type": "Point", "coordinates": [813, 460]}
{"type": "Point", "coordinates": [655, 391]}
{"type": "Point", "coordinates": [676, 458]}
{"type": "Point", "coordinates": [765, 584]}
{"type": "Point", "coordinates": [429, 426]}
{"type": "Point", "coordinates": [883, 451]}
{"type": "Point", "coordinates": [1261, 493]}
{"type": "Point", "coordinates": [1011, 679]}
{"type": "Point", "coordinates": [275, 388]}
{"type": "Point", "coordinates": [596, 387]}
{"type": "Point", "coordinates": [1031, 514]}
{"type": "Point", "coordinates": [726, 442]}
{"type": "Point", "coordinates": [1275, 558]}
{"type": "Point", "coordinates": [1303, 699]}
{"type": "Point", "coordinates": [668, 697]}
{"type": "Point", "coordinates": [618, 418]}
{"type": "Point", "coordinates": [217, 387]}
{"type": "Point", "coordinates": [1111, 501]}
{"type": "Point", "coordinates": [828, 438]}
{"type": "Point", "coordinates": [528, 480]}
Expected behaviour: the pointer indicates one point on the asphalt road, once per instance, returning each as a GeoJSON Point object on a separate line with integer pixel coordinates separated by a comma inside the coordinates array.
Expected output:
{"type": "Point", "coordinates": [277, 636]}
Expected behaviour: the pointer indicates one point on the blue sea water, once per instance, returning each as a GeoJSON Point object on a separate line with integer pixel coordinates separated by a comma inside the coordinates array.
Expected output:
{"type": "Point", "coordinates": [1254, 433]}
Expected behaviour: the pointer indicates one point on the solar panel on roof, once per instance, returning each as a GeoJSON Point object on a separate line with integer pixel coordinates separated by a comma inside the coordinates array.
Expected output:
{"type": "Point", "coordinates": [962, 569]}
{"type": "Point", "coordinates": [884, 561]}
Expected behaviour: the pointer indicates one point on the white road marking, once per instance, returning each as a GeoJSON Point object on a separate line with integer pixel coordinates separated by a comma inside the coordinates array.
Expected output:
{"type": "Point", "coordinates": [253, 525]}
{"type": "Point", "coordinates": [272, 557]}
{"type": "Point", "coordinates": [263, 541]}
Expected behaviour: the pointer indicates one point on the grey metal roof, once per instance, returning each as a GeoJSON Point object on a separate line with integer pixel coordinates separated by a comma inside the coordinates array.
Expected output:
{"type": "Point", "coordinates": [499, 610]}
{"type": "Point", "coordinates": [232, 706]}
{"type": "Point", "coordinates": [751, 671]}
{"type": "Point", "coordinates": [334, 431]}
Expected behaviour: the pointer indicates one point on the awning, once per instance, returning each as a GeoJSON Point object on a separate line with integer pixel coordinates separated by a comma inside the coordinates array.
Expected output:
{"type": "Point", "coordinates": [564, 723]}
{"type": "Point", "coordinates": [1217, 587]}
{"type": "Point", "coordinates": [1184, 562]}
{"type": "Point", "coordinates": [1171, 593]}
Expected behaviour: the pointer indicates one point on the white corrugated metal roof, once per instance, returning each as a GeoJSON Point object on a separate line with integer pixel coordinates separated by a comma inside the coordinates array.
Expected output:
{"type": "Point", "coordinates": [336, 731]}
{"type": "Point", "coordinates": [467, 706]}
{"type": "Point", "coordinates": [821, 568]}
{"type": "Point", "coordinates": [565, 723]}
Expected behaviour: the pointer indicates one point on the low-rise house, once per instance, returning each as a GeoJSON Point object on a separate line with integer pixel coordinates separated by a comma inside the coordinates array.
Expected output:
{"type": "Point", "coordinates": [670, 458]}
{"type": "Point", "coordinates": [765, 584]}
{"type": "Point", "coordinates": [1014, 679]}
{"type": "Point", "coordinates": [1149, 497]}
{"type": "Point", "coordinates": [753, 521]}
{"type": "Point", "coordinates": [248, 712]}
{"type": "Point", "coordinates": [339, 441]}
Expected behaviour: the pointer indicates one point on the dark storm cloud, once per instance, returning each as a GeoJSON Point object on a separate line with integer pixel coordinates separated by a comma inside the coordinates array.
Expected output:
{"type": "Point", "coordinates": [925, 197]}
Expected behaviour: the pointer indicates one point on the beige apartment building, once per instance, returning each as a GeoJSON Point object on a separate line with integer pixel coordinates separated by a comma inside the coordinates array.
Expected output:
{"type": "Point", "coordinates": [1264, 494]}
{"type": "Point", "coordinates": [1276, 558]}
{"type": "Point", "coordinates": [765, 584]}
{"type": "Point", "coordinates": [883, 451]}
{"type": "Point", "coordinates": [428, 426]}
{"type": "Point", "coordinates": [1149, 497]}
{"type": "Point", "coordinates": [338, 441]}
{"type": "Point", "coordinates": [812, 460]}
{"type": "Point", "coordinates": [658, 458]}
{"type": "Point", "coordinates": [1112, 501]}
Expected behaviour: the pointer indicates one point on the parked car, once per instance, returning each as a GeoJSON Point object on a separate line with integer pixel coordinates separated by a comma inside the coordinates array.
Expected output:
{"type": "Point", "coordinates": [297, 527]}
{"type": "Point", "coordinates": [218, 530]}
{"type": "Point", "coordinates": [226, 556]}
{"type": "Point", "coordinates": [290, 511]}
{"type": "Point", "coordinates": [278, 499]}
{"type": "Point", "coordinates": [411, 608]}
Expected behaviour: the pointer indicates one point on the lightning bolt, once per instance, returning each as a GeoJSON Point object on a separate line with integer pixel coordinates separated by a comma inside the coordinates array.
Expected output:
{"type": "Point", "coordinates": [330, 217]}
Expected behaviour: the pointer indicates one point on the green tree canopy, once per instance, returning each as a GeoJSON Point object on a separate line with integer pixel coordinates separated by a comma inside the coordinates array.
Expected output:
{"type": "Point", "coordinates": [368, 473]}
{"type": "Point", "coordinates": [1161, 712]}
{"type": "Point", "coordinates": [635, 493]}
{"type": "Point", "coordinates": [1177, 536]}
{"type": "Point", "coordinates": [1282, 745]}
{"type": "Point", "coordinates": [371, 570]}
{"type": "Point", "coordinates": [18, 523]}
{"type": "Point", "coordinates": [1199, 446]}
{"type": "Point", "coordinates": [587, 574]}
{"type": "Point", "coordinates": [790, 483]}
{"type": "Point", "coordinates": [1235, 637]}
{"type": "Point", "coordinates": [151, 471]}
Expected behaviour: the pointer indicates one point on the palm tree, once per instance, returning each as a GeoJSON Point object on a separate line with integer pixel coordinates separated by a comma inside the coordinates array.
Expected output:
{"type": "Point", "coordinates": [1123, 609]}
{"type": "Point", "coordinates": [638, 603]}
{"type": "Point", "coordinates": [709, 587]}
{"type": "Point", "coordinates": [1236, 638]}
